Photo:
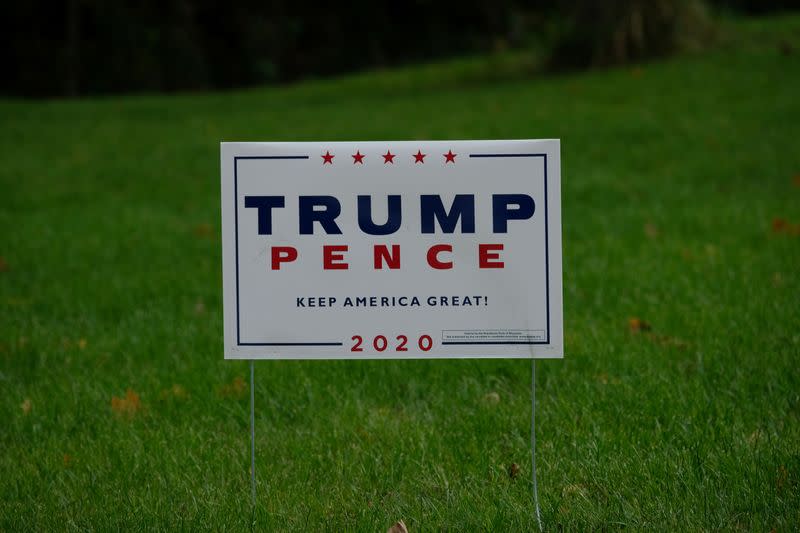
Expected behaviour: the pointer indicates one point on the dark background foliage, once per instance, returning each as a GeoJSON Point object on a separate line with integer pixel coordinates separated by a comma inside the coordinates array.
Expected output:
{"type": "Point", "coordinates": [84, 47]}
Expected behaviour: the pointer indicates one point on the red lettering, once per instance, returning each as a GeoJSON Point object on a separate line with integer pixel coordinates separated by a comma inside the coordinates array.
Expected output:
{"type": "Point", "coordinates": [433, 256]}
{"type": "Point", "coordinates": [488, 256]}
{"type": "Point", "coordinates": [381, 254]}
{"type": "Point", "coordinates": [331, 260]}
{"type": "Point", "coordinates": [425, 343]}
{"type": "Point", "coordinates": [357, 346]}
{"type": "Point", "coordinates": [402, 346]}
{"type": "Point", "coordinates": [380, 343]}
{"type": "Point", "coordinates": [282, 254]}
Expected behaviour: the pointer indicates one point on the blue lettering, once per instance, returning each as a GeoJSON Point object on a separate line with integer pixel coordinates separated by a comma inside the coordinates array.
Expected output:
{"type": "Point", "coordinates": [264, 204]}
{"type": "Point", "coordinates": [326, 216]}
{"type": "Point", "coordinates": [502, 212]}
{"type": "Point", "coordinates": [393, 220]}
{"type": "Point", "coordinates": [463, 208]}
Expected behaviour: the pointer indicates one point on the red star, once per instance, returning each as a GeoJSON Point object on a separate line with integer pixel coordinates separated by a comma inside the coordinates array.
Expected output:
{"type": "Point", "coordinates": [358, 158]}
{"type": "Point", "coordinates": [328, 157]}
{"type": "Point", "coordinates": [419, 157]}
{"type": "Point", "coordinates": [388, 157]}
{"type": "Point", "coordinates": [449, 157]}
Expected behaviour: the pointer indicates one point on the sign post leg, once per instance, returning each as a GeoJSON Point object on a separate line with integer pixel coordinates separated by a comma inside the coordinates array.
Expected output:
{"type": "Point", "coordinates": [533, 443]}
{"type": "Point", "coordinates": [252, 432]}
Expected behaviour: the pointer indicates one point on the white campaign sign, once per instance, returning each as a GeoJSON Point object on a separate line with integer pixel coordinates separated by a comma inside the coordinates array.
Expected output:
{"type": "Point", "coordinates": [412, 249]}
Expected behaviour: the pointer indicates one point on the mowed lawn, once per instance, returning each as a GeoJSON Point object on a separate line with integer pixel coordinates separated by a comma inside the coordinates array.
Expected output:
{"type": "Point", "coordinates": [676, 408]}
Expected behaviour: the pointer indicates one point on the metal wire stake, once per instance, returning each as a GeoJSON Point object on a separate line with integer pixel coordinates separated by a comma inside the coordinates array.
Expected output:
{"type": "Point", "coordinates": [252, 432]}
{"type": "Point", "coordinates": [533, 443]}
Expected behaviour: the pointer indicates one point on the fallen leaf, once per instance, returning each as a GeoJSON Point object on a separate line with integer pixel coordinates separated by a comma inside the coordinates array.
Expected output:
{"type": "Point", "coordinates": [637, 72]}
{"type": "Point", "coordinates": [82, 344]}
{"type": "Point", "coordinates": [575, 489]}
{"type": "Point", "coordinates": [127, 406]}
{"type": "Point", "coordinates": [796, 180]}
{"type": "Point", "coordinates": [666, 340]}
{"type": "Point", "coordinates": [381, 412]}
{"type": "Point", "coordinates": [637, 324]}
{"type": "Point", "coordinates": [780, 225]}
{"type": "Point", "coordinates": [234, 389]}
{"type": "Point", "coordinates": [176, 391]}
{"type": "Point", "coordinates": [203, 230]}
{"type": "Point", "coordinates": [26, 406]}
{"type": "Point", "coordinates": [3, 264]}
{"type": "Point", "coordinates": [199, 307]}
{"type": "Point", "coordinates": [492, 398]}
{"type": "Point", "coordinates": [398, 527]}
{"type": "Point", "coordinates": [513, 470]}
{"type": "Point", "coordinates": [67, 459]}
{"type": "Point", "coordinates": [783, 477]}
{"type": "Point", "coordinates": [651, 230]}
{"type": "Point", "coordinates": [777, 279]}
{"type": "Point", "coordinates": [755, 437]}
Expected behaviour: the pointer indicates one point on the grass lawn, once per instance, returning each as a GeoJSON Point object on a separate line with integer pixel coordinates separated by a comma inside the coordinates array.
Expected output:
{"type": "Point", "coordinates": [681, 210]}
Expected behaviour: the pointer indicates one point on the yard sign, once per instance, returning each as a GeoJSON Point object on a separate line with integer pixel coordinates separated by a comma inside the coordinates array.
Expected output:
{"type": "Point", "coordinates": [376, 250]}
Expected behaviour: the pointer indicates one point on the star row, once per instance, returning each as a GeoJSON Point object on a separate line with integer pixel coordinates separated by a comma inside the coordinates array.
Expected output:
{"type": "Point", "coordinates": [388, 157]}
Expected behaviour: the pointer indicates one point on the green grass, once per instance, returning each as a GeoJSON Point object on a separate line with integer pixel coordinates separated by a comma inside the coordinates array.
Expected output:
{"type": "Point", "coordinates": [672, 176]}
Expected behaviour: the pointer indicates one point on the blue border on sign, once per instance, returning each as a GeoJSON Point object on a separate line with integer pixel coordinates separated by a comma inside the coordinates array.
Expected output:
{"type": "Point", "coordinates": [546, 257]}
{"type": "Point", "coordinates": [450, 343]}
{"type": "Point", "coordinates": [236, 226]}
